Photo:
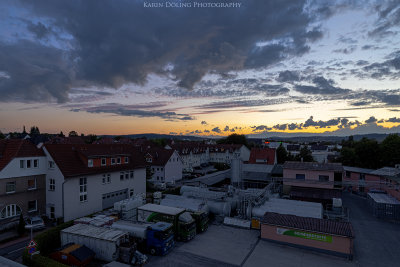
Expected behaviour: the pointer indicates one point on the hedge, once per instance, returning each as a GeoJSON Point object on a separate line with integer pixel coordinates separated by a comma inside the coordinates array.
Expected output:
{"type": "Point", "coordinates": [51, 239]}
{"type": "Point", "coordinates": [39, 261]}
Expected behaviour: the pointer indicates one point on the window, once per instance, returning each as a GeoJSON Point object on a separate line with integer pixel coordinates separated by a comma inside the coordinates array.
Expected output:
{"type": "Point", "coordinates": [158, 169]}
{"type": "Point", "coordinates": [35, 163]}
{"type": "Point", "coordinates": [31, 183]}
{"type": "Point", "coordinates": [131, 192]}
{"type": "Point", "coordinates": [22, 164]}
{"type": "Point", "coordinates": [162, 169]}
{"type": "Point", "coordinates": [118, 160]}
{"type": "Point", "coordinates": [323, 178]}
{"type": "Point", "coordinates": [52, 184]}
{"type": "Point", "coordinates": [83, 189]}
{"type": "Point", "coordinates": [300, 176]}
{"type": "Point", "coordinates": [126, 160]}
{"type": "Point", "coordinates": [126, 175]}
{"type": "Point", "coordinates": [108, 178]}
{"type": "Point", "coordinates": [121, 176]}
{"type": "Point", "coordinates": [51, 164]}
{"type": "Point", "coordinates": [362, 176]}
{"type": "Point", "coordinates": [152, 169]}
{"type": "Point", "coordinates": [10, 187]}
{"type": "Point", "coordinates": [131, 174]}
{"type": "Point", "coordinates": [32, 206]}
{"type": "Point", "coordinates": [10, 211]}
{"type": "Point", "coordinates": [52, 212]}
{"type": "Point", "coordinates": [103, 162]}
{"type": "Point", "coordinates": [158, 178]}
{"type": "Point", "coordinates": [348, 174]}
{"type": "Point", "coordinates": [112, 161]}
{"type": "Point", "coordinates": [90, 163]}
{"type": "Point", "coordinates": [28, 163]}
{"type": "Point", "coordinates": [103, 179]}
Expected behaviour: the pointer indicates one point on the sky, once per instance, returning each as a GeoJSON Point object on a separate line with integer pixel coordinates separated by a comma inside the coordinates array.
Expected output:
{"type": "Point", "coordinates": [171, 67]}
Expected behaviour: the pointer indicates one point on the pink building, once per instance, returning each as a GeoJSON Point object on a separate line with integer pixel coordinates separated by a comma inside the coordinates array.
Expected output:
{"type": "Point", "coordinates": [313, 174]}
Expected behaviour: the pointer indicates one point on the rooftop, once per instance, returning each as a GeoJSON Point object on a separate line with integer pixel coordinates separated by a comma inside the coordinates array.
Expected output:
{"type": "Point", "coordinates": [96, 232]}
{"type": "Point", "coordinates": [309, 224]}
{"type": "Point", "coordinates": [17, 148]}
{"type": "Point", "coordinates": [313, 166]}
{"type": "Point", "coordinates": [383, 198]}
{"type": "Point", "coordinates": [356, 169]}
{"type": "Point", "coordinates": [161, 209]}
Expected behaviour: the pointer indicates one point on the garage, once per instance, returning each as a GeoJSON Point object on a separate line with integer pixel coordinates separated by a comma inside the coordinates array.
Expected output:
{"type": "Point", "coordinates": [320, 235]}
{"type": "Point", "coordinates": [110, 198]}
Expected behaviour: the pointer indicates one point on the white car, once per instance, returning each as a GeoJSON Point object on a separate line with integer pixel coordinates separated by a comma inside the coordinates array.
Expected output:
{"type": "Point", "coordinates": [36, 223]}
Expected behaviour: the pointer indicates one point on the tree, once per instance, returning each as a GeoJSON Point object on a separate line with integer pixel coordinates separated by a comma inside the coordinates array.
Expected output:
{"type": "Point", "coordinates": [24, 131]}
{"type": "Point", "coordinates": [367, 151]}
{"type": "Point", "coordinates": [234, 139]}
{"type": "Point", "coordinates": [348, 156]}
{"type": "Point", "coordinates": [2, 136]}
{"type": "Point", "coordinates": [34, 130]}
{"type": "Point", "coordinates": [91, 138]}
{"type": "Point", "coordinates": [21, 225]}
{"type": "Point", "coordinates": [304, 155]}
{"type": "Point", "coordinates": [390, 150]}
{"type": "Point", "coordinates": [61, 134]}
{"type": "Point", "coordinates": [281, 154]}
{"type": "Point", "coordinates": [72, 133]}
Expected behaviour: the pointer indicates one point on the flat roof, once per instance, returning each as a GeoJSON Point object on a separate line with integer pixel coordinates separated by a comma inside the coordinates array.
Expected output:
{"type": "Point", "coordinates": [309, 224]}
{"type": "Point", "coordinates": [313, 166]}
{"type": "Point", "coordinates": [294, 207]}
{"type": "Point", "coordinates": [161, 209]}
{"type": "Point", "coordinates": [94, 232]}
{"type": "Point", "coordinates": [383, 199]}
{"type": "Point", "coordinates": [356, 169]}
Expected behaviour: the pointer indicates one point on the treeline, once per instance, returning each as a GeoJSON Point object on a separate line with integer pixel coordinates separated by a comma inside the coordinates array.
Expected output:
{"type": "Point", "coordinates": [282, 155]}
{"type": "Point", "coordinates": [368, 153]}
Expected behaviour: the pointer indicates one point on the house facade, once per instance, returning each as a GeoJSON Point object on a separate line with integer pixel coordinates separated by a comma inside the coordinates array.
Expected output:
{"type": "Point", "coordinates": [165, 164]}
{"type": "Point", "coordinates": [312, 174]}
{"type": "Point", "coordinates": [22, 180]}
{"type": "Point", "coordinates": [83, 179]}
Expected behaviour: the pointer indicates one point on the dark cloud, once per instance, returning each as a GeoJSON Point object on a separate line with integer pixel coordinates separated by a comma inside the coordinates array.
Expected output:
{"type": "Point", "coordinates": [389, 18]}
{"type": "Point", "coordinates": [226, 129]}
{"type": "Point", "coordinates": [394, 119]}
{"type": "Point", "coordinates": [371, 119]}
{"type": "Point", "coordinates": [173, 133]}
{"type": "Point", "coordinates": [288, 76]}
{"type": "Point", "coordinates": [36, 73]}
{"type": "Point", "coordinates": [206, 131]}
{"type": "Point", "coordinates": [321, 86]}
{"type": "Point", "coordinates": [216, 129]}
{"type": "Point", "coordinates": [261, 128]}
{"type": "Point", "coordinates": [132, 110]}
{"type": "Point", "coordinates": [346, 51]}
{"type": "Point", "coordinates": [198, 132]}
{"type": "Point", "coordinates": [203, 123]}
{"type": "Point", "coordinates": [242, 103]}
{"type": "Point", "coordinates": [232, 130]}
{"type": "Point", "coordinates": [116, 42]}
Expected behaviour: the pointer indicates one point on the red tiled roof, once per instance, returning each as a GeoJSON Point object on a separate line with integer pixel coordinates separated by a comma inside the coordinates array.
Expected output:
{"type": "Point", "coordinates": [309, 224]}
{"type": "Point", "coordinates": [17, 148]}
{"type": "Point", "coordinates": [314, 166]}
{"type": "Point", "coordinates": [68, 157]}
{"type": "Point", "coordinates": [267, 154]}
{"type": "Point", "coordinates": [160, 156]}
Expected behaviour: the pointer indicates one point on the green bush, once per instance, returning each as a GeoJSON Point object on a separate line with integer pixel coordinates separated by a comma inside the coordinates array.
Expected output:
{"type": "Point", "coordinates": [39, 261]}
{"type": "Point", "coordinates": [50, 239]}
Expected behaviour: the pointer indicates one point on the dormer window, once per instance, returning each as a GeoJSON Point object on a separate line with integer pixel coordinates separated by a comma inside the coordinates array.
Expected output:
{"type": "Point", "coordinates": [90, 163]}
{"type": "Point", "coordinates": [113, 161]}
{"type": "Point", "coordinates": [118, 160]}
{"type": "Point", "coordinates": [126, 160]}
{"type": "Point", "coordinates": [103, 161]}
{"type": "Point", "coordinates": [149, 160]}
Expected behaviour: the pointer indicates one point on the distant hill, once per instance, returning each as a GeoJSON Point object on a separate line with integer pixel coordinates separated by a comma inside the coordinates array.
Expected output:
{"type": "Point", "coordinates": [324, 138]}
{"type": "Point", "coordinates": [160, 136]}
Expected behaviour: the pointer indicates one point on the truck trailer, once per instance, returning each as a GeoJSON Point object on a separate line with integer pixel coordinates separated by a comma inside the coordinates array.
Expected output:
{"type": "Point", "coordinates": [184, 226]}
{"type": "Point", "coordinates": [157, 238]}
{"type": "Point", "coordinates": [197, 208]}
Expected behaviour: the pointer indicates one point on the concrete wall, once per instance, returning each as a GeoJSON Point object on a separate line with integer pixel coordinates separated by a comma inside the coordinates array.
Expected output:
{"type": "Point", "coordinates": [341, 245]}
{"type": "Point", "coordinates": [173, 168]}
{"type": "Point", "coordinates": [73, 208]}
{"type": "Point", "coordinates": [311, 178]}
{"type": "Point", "coordinates": [370, 182]}
{"type": "Point", "coordinates": [13, 168]}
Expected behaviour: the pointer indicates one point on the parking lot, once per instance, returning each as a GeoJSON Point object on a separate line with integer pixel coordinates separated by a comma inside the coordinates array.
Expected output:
{"type": "Point", "coordinates": [376, 244]}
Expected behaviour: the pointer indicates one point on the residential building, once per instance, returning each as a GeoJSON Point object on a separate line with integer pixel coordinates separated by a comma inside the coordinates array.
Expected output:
{"type": "Point", "coordinates": [22, 179]}
{"type": "Point", "coordinates": [360, 179]}
{"type": "Point", "coordinates": [165, 164]}
{"type": "Point", "coordinates": [83, 179]}
{"type": "Point", "coordinates": [263, 156]}
{"type": "Point", "coordinates": [313, 174]}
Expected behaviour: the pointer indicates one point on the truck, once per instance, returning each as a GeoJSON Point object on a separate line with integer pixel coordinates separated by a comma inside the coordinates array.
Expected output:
{"type": "Point", "coordinates": [184, 226]}
{"type": "Point", "coordinates": [108, 244]}
{"type": "Point", "coordinates": [156, 238]}
{"type": "Point", "coordinates": [197, 208]}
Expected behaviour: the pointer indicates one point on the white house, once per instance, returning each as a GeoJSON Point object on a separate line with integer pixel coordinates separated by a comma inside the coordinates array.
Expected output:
{"type": "Point", "coordinates": [166, 165]}
{"type": "Point", "coordinates": [83, 179]}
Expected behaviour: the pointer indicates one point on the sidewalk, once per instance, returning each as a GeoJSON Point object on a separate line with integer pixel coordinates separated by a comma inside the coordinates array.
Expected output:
{"type": "Point", "coordinates": [26, 238]}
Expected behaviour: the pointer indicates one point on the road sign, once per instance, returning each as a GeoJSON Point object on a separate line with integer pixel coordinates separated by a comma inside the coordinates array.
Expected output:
{"type": "Point", "coordinates": [32, 250]}
{"type": "Point", "coordinates": [32, 243]}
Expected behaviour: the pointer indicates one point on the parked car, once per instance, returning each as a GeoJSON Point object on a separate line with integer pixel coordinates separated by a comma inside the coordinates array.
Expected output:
{"type": "Point", "coordinates": [36, 223]}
